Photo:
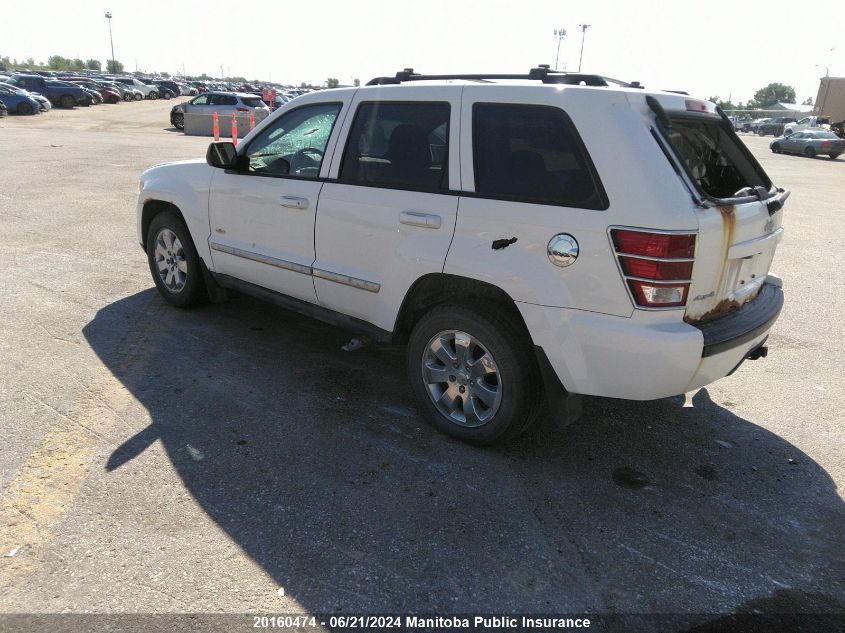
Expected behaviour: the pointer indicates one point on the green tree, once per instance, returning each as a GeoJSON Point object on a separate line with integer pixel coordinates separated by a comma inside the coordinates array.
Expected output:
{"type": "Point", "coordinates": [725, 105]}
{"type": "Point", "coordinates": [331, 82]}
{"type": "Point", "coordinates": [772, 94]}
{"type": "Point", "coordinates": [77, 64]}
{"type": "Point", "coordinates": [57, 62]}
{"type": "Point", "coordinates": [166, 75]}
{"type": "Point", "coordinates": [30, 62]}
{"type": "Point", "coordinates": [117, 67]}
{"type": "Point", "coordinates": [93, 64]}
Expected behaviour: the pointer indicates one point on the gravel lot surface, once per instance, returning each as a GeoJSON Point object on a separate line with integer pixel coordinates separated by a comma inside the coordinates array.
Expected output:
{"type": "Point", "coordinates": [155, 460]}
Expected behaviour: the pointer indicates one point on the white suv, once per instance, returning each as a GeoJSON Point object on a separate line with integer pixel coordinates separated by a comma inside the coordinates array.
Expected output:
{"type": "Point", "coordinates": [526, 236]}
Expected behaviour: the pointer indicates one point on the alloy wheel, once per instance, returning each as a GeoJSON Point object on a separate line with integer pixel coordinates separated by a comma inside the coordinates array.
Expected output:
{"type": "Point", "coordinates": [170, 261]}
{"type": "Point", "coordinates": [462, 378]}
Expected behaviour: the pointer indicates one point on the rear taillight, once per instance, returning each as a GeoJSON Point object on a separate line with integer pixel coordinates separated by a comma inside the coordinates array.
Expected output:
{"type": "Point", "coordinates": [656, 266]}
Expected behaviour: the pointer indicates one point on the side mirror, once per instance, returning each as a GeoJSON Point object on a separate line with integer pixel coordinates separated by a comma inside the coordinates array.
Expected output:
{"type": "Point", "coordinates": [222, 155]}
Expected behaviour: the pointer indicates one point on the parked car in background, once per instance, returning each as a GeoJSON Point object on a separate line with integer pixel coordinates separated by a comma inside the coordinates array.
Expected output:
{"type": "Point", "coordinates": [223, 103]}
{"type": "Point", "coordinates": [774, 126]}
{"type": "Point", "coordinates": [110, 94]}
{"type": "Point", "coordinates": [43, 102]}
{"type": "Point", "coordinates": [124, 91]}
{"type": "Point", "coordinates": [751, 126]}
{"type": "Point", "coordinates": [810, 143]}
{"type": "Point", "coordinates": [805, 123]}
{"type": "Point", "coordinates": [62, 94]}
{"type": "Point", "coordinates": [167, 89]}
{"type": "Point", "coordinates": [147, 91]}
{"type": "Point", "coordinates": [84, 100]}
{"type": "Point", "coordinates": [19, 101]}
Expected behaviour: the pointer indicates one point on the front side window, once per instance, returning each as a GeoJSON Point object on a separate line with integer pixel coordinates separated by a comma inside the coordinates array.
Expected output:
{"type": "Point", "coordinates": [531, 153]}
{"type": "Point", "coordinates": [224, 100]}
{"type": "Point", "coordinates": [400, 145]}
{"type": "Point", "coordinates": [295, 144]}
{"type": "Point", "coordinates": [201, 100]}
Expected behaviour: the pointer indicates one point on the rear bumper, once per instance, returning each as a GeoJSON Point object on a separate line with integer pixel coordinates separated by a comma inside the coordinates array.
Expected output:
{"type": "Point", "coordinates": [650, 355]}
{"type": "Point", "coordinates": [746, 324]}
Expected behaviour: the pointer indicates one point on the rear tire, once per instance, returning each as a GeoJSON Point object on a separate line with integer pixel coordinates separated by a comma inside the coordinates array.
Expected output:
{"type": "Point", "coordinates": [67, 101]}
{"type": "Point", "coordinates": [810, 152]}
{"type": "Point", "coordinates": [153, 95]}
{"type": "Point", "coordinates": [173, 260]}
{"type": "Point", "coordinates": [472, 402]}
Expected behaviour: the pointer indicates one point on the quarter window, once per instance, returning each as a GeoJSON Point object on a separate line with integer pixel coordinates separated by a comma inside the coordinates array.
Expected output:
{"type": "Point", "coordinates": [295, 144]}
{"type": "Point", "coordinates": [398, 145]}
{"type": "Point", "coordinates": [531, 153]}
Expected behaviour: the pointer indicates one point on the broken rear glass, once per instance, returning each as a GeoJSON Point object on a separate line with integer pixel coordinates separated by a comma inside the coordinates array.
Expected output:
{"type": "Point", "coordinates": [714, 157]}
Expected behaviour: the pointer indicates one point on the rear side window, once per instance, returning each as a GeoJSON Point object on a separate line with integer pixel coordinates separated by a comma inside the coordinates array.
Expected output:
{"type": "Point", "coordinates": [399, 145]}
{"type": "Point", "coordinates": [252, 102]}
{"type": "Point", "coordinates": [531, 153]}
{"type": "Point", "coordinates": [714, 156]}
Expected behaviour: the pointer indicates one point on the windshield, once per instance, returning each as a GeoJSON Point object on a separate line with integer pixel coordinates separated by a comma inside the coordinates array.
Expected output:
{"type": "Point", "coordinates": [714, 156]}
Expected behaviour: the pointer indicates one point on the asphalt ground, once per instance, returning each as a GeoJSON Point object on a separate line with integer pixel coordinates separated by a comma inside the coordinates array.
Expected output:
{"type": "Point", "coordinates": [159, 461]}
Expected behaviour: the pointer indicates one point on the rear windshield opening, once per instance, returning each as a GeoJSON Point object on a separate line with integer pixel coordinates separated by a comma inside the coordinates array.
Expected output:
{"type": "Point", "coordinates": [714, 157]}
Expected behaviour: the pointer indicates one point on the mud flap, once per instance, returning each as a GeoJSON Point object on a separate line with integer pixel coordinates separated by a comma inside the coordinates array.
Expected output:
{"type": "Point", "coordinates": [564, 407]}
{"type": "Point", "coordinates": [216, 293]}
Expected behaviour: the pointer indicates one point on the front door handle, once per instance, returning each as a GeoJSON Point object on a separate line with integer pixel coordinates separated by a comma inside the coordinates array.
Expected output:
{"type": "Point", "coordinates": [294, 202]}
{"type": "Point", "coordinates": [415, 218]}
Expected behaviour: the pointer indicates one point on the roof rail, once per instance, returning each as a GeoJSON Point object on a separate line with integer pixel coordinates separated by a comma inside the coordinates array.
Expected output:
{"type": "Point", "coordinates": [540, 73]}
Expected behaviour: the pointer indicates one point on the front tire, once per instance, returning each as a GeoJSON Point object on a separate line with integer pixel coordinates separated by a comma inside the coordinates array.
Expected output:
{"type": "Point", "coordinates": [834, 156]}
{"type": "Point", "coordinates": [67, 101]}
{"type": "Point", "coordinates": [475, 375]}
{"type": "Point", "coordinates": [25, 108]}
{"type": "Point", "coordinates": [153, 95]}
{"type": "Point", "coordinates": [179, 121]}
{"type": "Point", "coordinates": [174, 263]}
{"type": "Point", "coordinates": [776, 148]}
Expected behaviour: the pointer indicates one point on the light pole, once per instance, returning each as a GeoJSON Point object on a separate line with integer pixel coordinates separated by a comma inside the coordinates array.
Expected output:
{"type": "Point", "coordinates": [559, 34]}
{"type": "Point", "coordinates": [584, 28]}
{"type": "Point", "coordinates": [111, 40]}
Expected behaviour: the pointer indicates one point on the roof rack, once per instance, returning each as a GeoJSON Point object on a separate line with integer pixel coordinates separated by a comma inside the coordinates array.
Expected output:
{"type": "Point", "coordinates": [540, 73]}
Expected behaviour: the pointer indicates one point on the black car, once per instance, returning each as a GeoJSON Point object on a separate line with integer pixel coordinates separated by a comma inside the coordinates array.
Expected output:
{"type": "Point", "coordinates": [4, 111]}
{"type": "Point", "coordinates": [167, 89]}
{"type": "Point", "coordinates": [774, 126]}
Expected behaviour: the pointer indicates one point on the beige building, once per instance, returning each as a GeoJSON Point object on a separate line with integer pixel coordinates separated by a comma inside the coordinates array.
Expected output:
{"type": "Point", "coordinates": [830, 100]}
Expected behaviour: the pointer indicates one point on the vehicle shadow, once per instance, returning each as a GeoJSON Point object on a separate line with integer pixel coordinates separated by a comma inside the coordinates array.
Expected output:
{"type": "Point", "coordinates": [318, 464]}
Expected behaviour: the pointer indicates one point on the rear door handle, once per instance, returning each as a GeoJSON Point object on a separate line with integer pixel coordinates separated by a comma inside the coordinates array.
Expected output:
{"type": "Point", "coordinates": [415, 218]}
{"type": "Point", "coordinates": [294, 202]}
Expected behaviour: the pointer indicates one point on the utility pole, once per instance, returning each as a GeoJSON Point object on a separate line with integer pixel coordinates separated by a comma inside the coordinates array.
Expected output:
{"type": "Point", "coordinates": [111, 40]}
{"type": "Point", "coordinates": [584, 28]}
{"type": "Point", "coordinates": [559, 34]}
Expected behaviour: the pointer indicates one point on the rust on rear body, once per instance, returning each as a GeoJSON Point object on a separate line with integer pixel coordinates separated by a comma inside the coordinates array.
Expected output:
{"type": "Point", "coordinates": [725, 306]}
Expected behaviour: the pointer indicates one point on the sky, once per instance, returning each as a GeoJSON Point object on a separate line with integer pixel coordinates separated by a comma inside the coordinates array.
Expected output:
{"type": "Point", "coordinates": [708, 48]}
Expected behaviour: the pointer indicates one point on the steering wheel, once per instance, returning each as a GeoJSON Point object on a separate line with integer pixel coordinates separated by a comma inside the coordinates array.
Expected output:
{"type": "Point", "coordinates": [308, 150]}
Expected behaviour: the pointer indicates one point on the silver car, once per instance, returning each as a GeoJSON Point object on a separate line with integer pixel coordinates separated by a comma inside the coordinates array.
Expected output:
{"type": "Point", "coordinates": [223, 103]}
{"type": "Point", "coordinates": [810, 143]}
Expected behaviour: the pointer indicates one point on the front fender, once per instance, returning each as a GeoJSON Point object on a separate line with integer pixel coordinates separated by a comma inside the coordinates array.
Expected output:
{"type": "Point", "coordinates": [186, 186]}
